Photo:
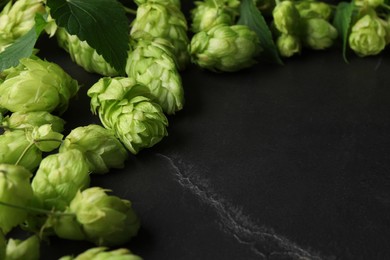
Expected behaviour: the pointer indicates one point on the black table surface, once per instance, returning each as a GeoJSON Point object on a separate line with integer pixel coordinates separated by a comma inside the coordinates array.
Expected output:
{"type": "Point", "coordinates": [272, 162]}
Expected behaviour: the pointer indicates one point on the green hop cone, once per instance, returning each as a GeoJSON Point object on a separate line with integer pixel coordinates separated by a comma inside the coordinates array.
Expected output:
{"type": "Point", "coordinates": [101, 148]}
{"type": "Point", "coordinates": [225, 48]}
{"type": "Point", "coordinates": [83, 54]}
{"type": "Point", "coordinates": [314, 9]}
{"type": "Point", "coordinates": [29, 120]}
{"type": "Point", "coordinates": [16, 19]}
{"type": "Point", "coordinates": [23, 249]}
{"type": "Point", "coordinates": [207, 14]}
{"type": "Point", "coordinates": [163, 2]}
{"type": "Point", "coordinates": [59, 177]}
{"type": "Point", "coordinates": [151, 64]}
{"type": "Point", "coordinates": [37, 85]}
{"type": "Point", "coordinates": [126, 107]}
{"type": "Point", "coordinates": [286, 18]}
{"type": "Point", "coordinates": [288, 45]}
{"type": "Point", "coordinates": [167, 22]}
{"type": "Point", "coordinates": [15, 148]}
{"type": "Point", "coordinates": [101, 253]}
{"type": "Point", "coordinates": [15, 189]}
{"type": "Point", "coordinates": [44, 138]}
{"type": "Point", "coordinates": [368, 36]}
{"type": "Point", "coordinates": [319, 34]}
{"type": "Point", "coordinates": [103, 219]}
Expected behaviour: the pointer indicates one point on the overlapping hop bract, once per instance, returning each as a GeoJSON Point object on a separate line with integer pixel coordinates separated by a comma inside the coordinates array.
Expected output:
{"type": "Point", "coordinates": [83, 54]}
{"type": "Point", "coordinates": [36, 85]}
{"type": "Point", "coordinates": [95, 216]}
{"type": "Point", "coordinates": [152, 63]}
{"type": "Point", "coordinates": [101, 253]}
{"type": "Point", "coordinates": [126, 107]}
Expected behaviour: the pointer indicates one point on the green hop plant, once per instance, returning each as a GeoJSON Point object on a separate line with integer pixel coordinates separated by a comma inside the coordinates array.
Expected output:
{"type": "Point", "coordinates": [44, 138]}
{"type": "Point", "coordinates": [151, 64]}
{"type": "Point", "coordinates": [286, 18]}
{"type": "Point", "coordinates": [15, 148]}
{"type": "Point", "coordinates": [101, 149]}
{"type": "Point", "coordinates": [29, 120]}
{"type": "Point", "coordinates": [23, 249]}
{"type": "Point", "coordinates": [103, 219]}
{"type": "Point", "coordinates": [83, 54]}
{"type": "Point", "coordinates": [319, 34]}
{"type": "Point", "coordinates": [207, 14]}
{"type": "Point", "coordinates": [37, 85]}
{"type": "Point", "coordinates": [167, 22]}
{"type": "Point", "coordinates": [59, 177]}
{"type": "Point", "coordinates": [15, 190]}
{"type": "Point", "coordinates": [225, 48]}
{"type": "Point", "coordinates": [368, 36]}
{"type": "Point", "coordinates": [288, 45]}
{"type": "Point", "coordinates": [314, 9]}
{"type": "Point", "coordinates": [125, 107]}
{"type": "Point", "coordinates": [101, 253]}
{"type": "Point", "coordinates": [16, 19]}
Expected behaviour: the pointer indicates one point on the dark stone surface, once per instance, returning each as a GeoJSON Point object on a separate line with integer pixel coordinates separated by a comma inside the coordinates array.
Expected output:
{"type": "Point", "coordinates": [273, 162]}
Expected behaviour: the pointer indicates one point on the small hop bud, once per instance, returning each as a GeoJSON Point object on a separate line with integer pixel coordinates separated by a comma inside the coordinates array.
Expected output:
{"type": "Point", "coordinates": [45, 138]}
{"type": "Point", "coordinates": [319, 34]}
{"type": "Point", "coordinates": [286, 18]}
{"type": "Point", "coordinates": [59, 177]}
{"type": "Point", "coordinates": [288, 45]}
{"type": "Point", "coordinates": [314, 9]}
{"type": "Point", "coordinates": [23, 249]}
{"type": "Point", "coordinates": [208, 14]}
{"type": "Point", "coordinates": [225, 48]}
{"type": "Point", "coordinates": [36, 85]}
{"type": "Point", "coordinates": [101, 148]}
{"type": "Point", "coordinates": [105, 220]}
{"type": "Point", "coordinates": [83, 54]}
{"type": "Point", "coordinates": [29, 120]}
{"type": "Point", "coordinates": [15, 189]}
{"type": "Point", "coordinates": [151, 63]}
{"type": "Point", "coordinates": [101, 253]}
{"type": "Point", "coordinates": [15, 148]}
{"type": "Point", "coordinates": [368, 36]}
{"type": "Point", "coordinates": [126, 108]}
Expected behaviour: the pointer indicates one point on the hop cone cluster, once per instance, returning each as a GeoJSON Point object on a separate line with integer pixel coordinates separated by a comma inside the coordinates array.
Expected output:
{"type": "Point", "coordinates": [100, 147]}
{"type": "Point", "coordinates": [151, 64]}
{"type": "Point", "coordinates": [16, 19]}
{"type": "Point", "coordinates": [126, 107]}
{"type": "Point", "coordinates": [225, 48]}
{"type": "Point", "coordinates": [83, 54]}
{"type": "Point", "coordinates": [103, 219]}
{"type": "Point", "coordinates": [164, 21]}
{"type": "Point", "coordinates": [36, 85]}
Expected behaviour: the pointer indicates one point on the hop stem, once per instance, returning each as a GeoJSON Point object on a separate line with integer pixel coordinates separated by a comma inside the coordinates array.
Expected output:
{"type": "Point", "coordinates": [36, 210]}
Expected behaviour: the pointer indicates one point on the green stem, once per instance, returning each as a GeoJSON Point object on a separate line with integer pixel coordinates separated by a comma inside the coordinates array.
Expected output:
{"type": "Point", "coordinates": [24, 153]}
{"type": "Point", "coordinates": [37, 210]}
{"type": "Point", "coordinates": [130, 11]}
{"type": "Point", "coordinates": [49, 140]}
